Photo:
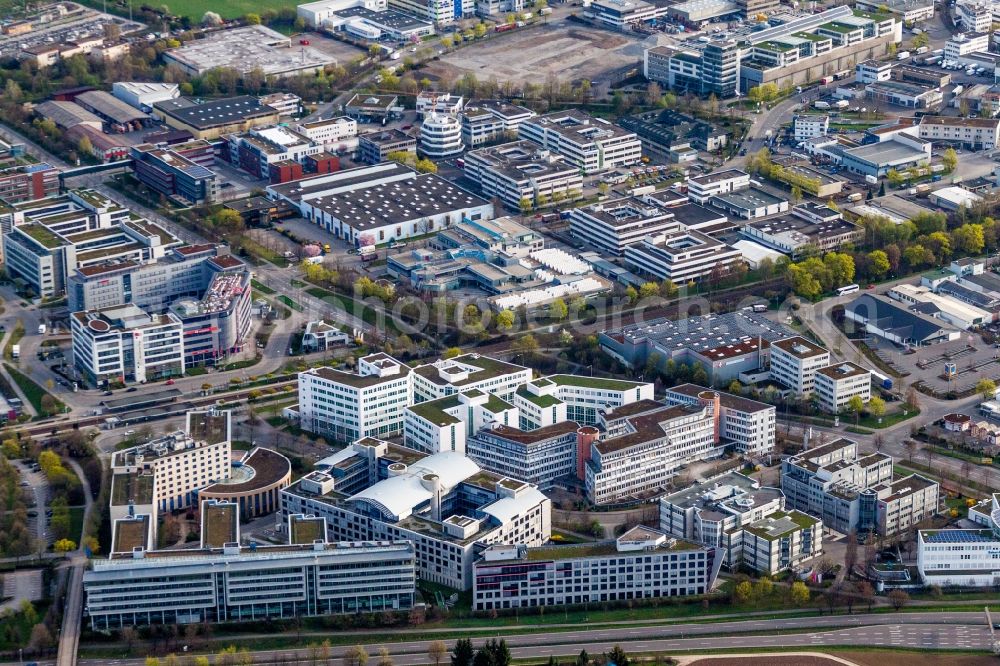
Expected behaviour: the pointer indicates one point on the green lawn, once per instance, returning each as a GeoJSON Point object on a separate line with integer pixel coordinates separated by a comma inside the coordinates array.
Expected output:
{"type": "Point", "coordinates": [15, 338]}
{"type": "Point", "coordinates": [76, 523]}
{"type": "Point", "coordinates": [262, 288]}
{"type": "Point", "coordinates": [197, 8]}
{"type": "Point", "coordinates": [31, 390]}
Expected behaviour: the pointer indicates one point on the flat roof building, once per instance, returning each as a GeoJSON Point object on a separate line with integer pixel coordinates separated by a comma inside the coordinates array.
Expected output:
{"type": "Point", "coordinates": [245, 49]}
{"type": "Point", "coordinates": [210, 119]}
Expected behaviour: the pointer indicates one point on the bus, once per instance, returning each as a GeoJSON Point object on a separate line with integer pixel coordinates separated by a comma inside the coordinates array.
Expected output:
{"type": "Point", "coordinates": [847, 289]}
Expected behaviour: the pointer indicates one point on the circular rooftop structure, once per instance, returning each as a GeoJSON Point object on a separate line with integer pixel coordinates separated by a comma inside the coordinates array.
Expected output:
{"type": "Point", "coordinates": [255, 483]}
{"type": "Point", "coordinates": [98, 325]}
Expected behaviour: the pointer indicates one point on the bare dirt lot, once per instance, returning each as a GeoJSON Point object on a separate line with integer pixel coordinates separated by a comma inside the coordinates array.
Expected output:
{"type": "Point", "coordinates": [342, 51]}
{"type": "Point", "coordinates": [562, 49]}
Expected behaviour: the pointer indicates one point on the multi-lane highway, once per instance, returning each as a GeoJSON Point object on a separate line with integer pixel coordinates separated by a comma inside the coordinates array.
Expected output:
{"type": "Point", "coordinates": [940, 631]}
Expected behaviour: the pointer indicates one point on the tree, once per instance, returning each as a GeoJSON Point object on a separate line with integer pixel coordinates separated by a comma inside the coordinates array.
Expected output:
{"type": "Point", "coordinates": [743, 592]}
{"type": "Point", "coordinates": [879, 263]}
{"type": "Point", "coordinates": [949, 159]}
{"type": "Point", "coordinates": [41, 638]}
{"type": "Point", "coordinates": [617, 657]}
{"type": "Point", "coordinates": [631, 294]}
{"type": "Point", "coordinates": [211, 19]}
{"type": "Point", "coordinates": [48, 404]}
{"type": "Point", "coordinates": [384, 658]}
{"type": "Point", "coordinates": [799, 593]}
{"type": "Point", "coordinates": [505, 320]}
{"type": "Point", "coordinates": [986, 388]}
{"type": "Point", "coordinates": [894, 177]}
{"type": "Point", "coordinates": [558, 309]}
{"type": "Point", "coordinates": [851, 552]}
{"type": "Point", "coordinates": [437, 651]}
{"type": "Point", "coordinates": [855, 405]}
{"type": "Point", "coordinates": [919, 40]}
{"type": "Point", "coordinates": [876, 407]}
{"type": "Point", "coordinates": [451, 352]}
{"type": "Point", "coordinates": [735, 387]}
{"type": "Point", "coordinates": [764, 587]}
{"type": "Point", "coordinates": [898, 599]}
{"type": "Point", "coordinates": [649, 289]}
{"type": "Point", "coordinates": [353, 656]}
{"type": "Point", "coordinates": [85, 146]}
{"type": "Point", "coordinates": [866, 593]}
{"type": "Point", "coordinates": [582, 659]}
{"type": "Point", "coordinates": [64, 546]}
{"type": "Point", "coordinates": [252, 19]}
{"type": "Point", "coordinates": [152, 661]}
{"type": "Point", "coordinates": [463, 653]}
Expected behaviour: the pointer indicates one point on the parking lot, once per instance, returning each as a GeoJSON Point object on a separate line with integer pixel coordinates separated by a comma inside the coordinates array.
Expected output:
{"type": "Point", "coordinates": [974, 360]}
{"type": "Point", "coordinates": [76, 25]}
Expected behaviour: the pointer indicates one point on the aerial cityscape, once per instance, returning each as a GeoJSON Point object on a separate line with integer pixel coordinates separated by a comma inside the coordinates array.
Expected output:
{"type": "Point", "coordinates": [494, 332]}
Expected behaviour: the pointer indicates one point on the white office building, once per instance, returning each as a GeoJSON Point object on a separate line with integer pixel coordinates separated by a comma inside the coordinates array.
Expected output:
{"type": "Point", "coordinates": [466, 372]}
{"type": "Point", "coordinates": [431, 102]}
{"type": "Point", "coordinates": [444, 424]}
{"type": "Point", "coordinates": [873, 71]}
{"type": "Point", "coordinates": [123, 344]}
{"type": "Point", "coordinates": [794, 362]}
{"type": "Point", "coordinates": [348, 406]}
{"type": "Point", "coordinates": [335, 135]}
{"type": "Point", "coordinates": [441, 136]}
{"type": "Point", "coordinates": [808, 126]}
{"type": "Point", "coordinates": [747, 423]}
{"type": "Point", "coordinates": [489, 121]}
{"type": "Point", "coordinates": [592, 144]}
{"type": "Point", "coordinates": [836, 384]}
{"type": "Point", "coordinates": [241, 584]}
{"type": "Point", "coordinates": [962, 44]}
{"type": "Point", "coordinates": [541, 456]}
{"type": "Point", "coordinates": [520, 173]}
{"type": "Point", "coordinates": [681, 256]}
{"type": "Point", "coordinates": [643, 445]}
{"type": "Point", "coordinates": [963, 557]}
{"type": "Point", "coordinates": [444, 503]}
{"type": "Point", "coordinates": [613, 225]}
{"type": "Point", "coordinates": [515, 577]}
{"type": "Point", "coordinates": [701, 189]}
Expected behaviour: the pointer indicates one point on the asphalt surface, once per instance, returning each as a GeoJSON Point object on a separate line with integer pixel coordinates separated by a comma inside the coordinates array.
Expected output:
{"type": "Point", "coordinates": [933, 630]}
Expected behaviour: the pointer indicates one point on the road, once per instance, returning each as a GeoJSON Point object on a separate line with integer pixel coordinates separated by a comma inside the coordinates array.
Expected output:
{"type": "Point", "coordinates": [932, 630]}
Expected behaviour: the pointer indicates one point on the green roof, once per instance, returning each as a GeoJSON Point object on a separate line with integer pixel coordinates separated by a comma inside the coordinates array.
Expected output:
{"type": "Point", "coordinates": [495, 404]}
{"type": "Point", "coordinates": [135, 487]}
{"type": "Point", "coordinates": [43, 235]}
{"type": "Point", "coordinates": [93, 197]}
{"type": "Point", "coordinates": [776, 46]}
{"type": "Point", "coordinates": [766, 528]}
{"type": "Point", "coordinates": [838, 27]}
{"type": "Point", "coordinates": [812, 37]}
{"type": "Point", "coordinates": [594, 382]}
{"type": "Point", "coordinates": [874, 16]}
{"type": "Point", "coordinates": [433, 410]}
{"type": "Point", "coordinates": [541, 401]}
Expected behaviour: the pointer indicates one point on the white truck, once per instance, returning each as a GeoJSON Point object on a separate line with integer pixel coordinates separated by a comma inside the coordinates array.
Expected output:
{"type": "Point", "coordinates": [871, 180]}
{"type": "Point", "coordinates": [902, 55]}
{"type": "Point", "coordinates": [821, 104]}
{"type": "Point", "coordinates": [41, 329]}
{"type": "Point", "coordinates": [15, 351]}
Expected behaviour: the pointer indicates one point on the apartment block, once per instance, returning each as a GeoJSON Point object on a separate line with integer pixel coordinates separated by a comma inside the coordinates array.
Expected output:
{"type": "Point", "coordinates": [445, 504]}
{"type": "Point", "coordinates": [853, 492]}
{"type": "Point", "coordinates": [795, 361]}
{"type": "Point", "coordinates": [591, 144]}
{"type": "Point", "coordinates": [643, 563]}
{"type": "Point", "coordinates": [836, 384]}
{"type": "Point", "coordinates": [349, 406]}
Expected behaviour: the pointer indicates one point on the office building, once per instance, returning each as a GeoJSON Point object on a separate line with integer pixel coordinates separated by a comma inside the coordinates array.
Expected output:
{"type": "Point", "coordinates": [835, 385]}
{"type": "Point", "coordinates": [969, 133]}
{"type": "Point", "coordinates": [124, 344]}
{"type": "Point", "coordinates": [541, 456]}
{"type": "Point", "coordinates": [372, 108]}
{"type": "Point", "coordinates": [964, 44]}
{"type": "Point", "coordinates": [746, 423]}
{"type": "Point", "coordinates": [28, 182]}
{"type": "Point", "coordinates": [809, 226]}
{"type": "Point", "coordinates": [522, 175]}
{"type": "Point", "coordinates": [701, 189]}
{"type": "Point", "coordinates": [612, 226]}
{"type": "Point", "coordinates": [336, 135]}
{"type": "Point", "coordinates": [445, 423]}
{"type": "Point", "coordinates": [710, 68]}
{"type": "Point", "coordinates": [963, 557]}
{"type": "Point", "coordinates": [856, 493]}
{"type": "Point", "coordinates": [375, 147]}
{"type": "Point", "coordinates": [254, 486]}
{"type": "Point", "coordinates": [795, 361]}
{"type": "Point", "coordinates": [381, 203]}
{"type": "Point", "coordinates": [441, 136]}
{"type": "Point", "coordinates": [446, 104]}
{"type": "Point", "coordinates": [348, 406]}
{"type": "Point", "coordinates": [174, 175]}
{"type": "Point", "coordinates": [516, 577]}
{"type": "Point", "coordinates": [871, 71]}
{"type": "Point", "coordinates": [258, 150]}
{"type": "Point", "coordinates": [51, 238]}
{"type": "Point", "coordinates": [592, 144]}
{"type": "Point", "coordinates": [466, 372]}
{"type": "Point", "coordinates": [260, 582]}
{"type": "Point", "coordinates": [807, 127]}
{"type": "Point", "coordinates": [489, 121]}
{"type": "Point", "coordinates": [643, 445]}
{"type": "Point", "coordinates": [444, 503]}
{"type": "Point", "coordinates": [682, 256]}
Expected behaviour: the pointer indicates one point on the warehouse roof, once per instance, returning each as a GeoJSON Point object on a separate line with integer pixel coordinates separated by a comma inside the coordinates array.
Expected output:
{"type": "Point", "coordinates": [216, 112]}
{"type": "Point", "coordinates": [66, 114]}
{"type": "Point", "coordinates": [111, 107]}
